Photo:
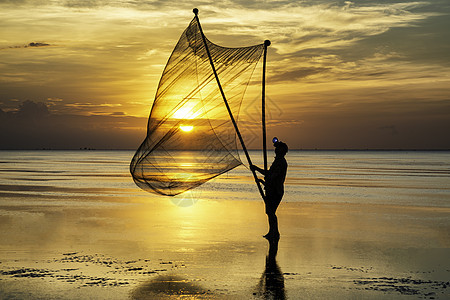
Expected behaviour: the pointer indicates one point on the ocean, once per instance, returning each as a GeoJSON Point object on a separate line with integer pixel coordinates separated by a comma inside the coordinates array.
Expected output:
{"type": "Point", "coordinates": [353, 224]}
{"type": "Point", "coordinates": [412, 178]}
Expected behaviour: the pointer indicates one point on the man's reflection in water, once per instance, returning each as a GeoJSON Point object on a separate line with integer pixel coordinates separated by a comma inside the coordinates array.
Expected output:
{"type": "Point", "coordinates": [271, 284]}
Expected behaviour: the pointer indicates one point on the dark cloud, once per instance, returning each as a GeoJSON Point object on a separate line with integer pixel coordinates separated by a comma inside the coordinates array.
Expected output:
{"type": "Point", "coordinates": [118, 113]}
{"type": "Point", "coordinates": [341, 130]}
{"type": "Point", "coordinates": [428, 41]}
{"type": "Point", "coordinates": [33, 126]}
{"type": "Point", "coordinates": [31, 109]}
{"type": "Point", "coordinates": [296, 74]}
{"type": "Point", "coordinates": [29, 45]}
{"type": "Point", "coordinates": [34, 44]}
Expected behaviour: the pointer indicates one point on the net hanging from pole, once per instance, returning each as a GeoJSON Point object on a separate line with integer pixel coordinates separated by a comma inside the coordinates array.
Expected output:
{"type": "Point", "coordinates": [190, 137]}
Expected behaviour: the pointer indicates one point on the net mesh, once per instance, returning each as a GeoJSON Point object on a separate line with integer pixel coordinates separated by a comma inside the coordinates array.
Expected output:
{"type": "Point", "coordinates": [190, 137]}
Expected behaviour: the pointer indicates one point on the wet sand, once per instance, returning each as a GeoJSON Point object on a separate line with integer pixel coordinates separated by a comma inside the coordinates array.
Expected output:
{"type": "Point", "coordinates": [215, 250]}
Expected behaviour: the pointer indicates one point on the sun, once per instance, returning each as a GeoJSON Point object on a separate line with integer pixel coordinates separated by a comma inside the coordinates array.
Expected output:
{"type": "Point", "coordinates": [186, 128]}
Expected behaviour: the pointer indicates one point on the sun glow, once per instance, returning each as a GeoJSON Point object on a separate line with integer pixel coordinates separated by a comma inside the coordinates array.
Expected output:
{"type": "Point", "coordinates": [186, 128]}
{"type": "Point", "coordinates": [188, 111]}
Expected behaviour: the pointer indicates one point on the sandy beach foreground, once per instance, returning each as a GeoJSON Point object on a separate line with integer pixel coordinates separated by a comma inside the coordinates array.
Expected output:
{"type": "Point", "coordinates": [215, 250]}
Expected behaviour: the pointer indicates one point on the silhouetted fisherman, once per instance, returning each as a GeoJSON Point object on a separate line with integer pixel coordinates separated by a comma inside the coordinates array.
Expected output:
{"type": "Point", "coordinates": [274, 186]}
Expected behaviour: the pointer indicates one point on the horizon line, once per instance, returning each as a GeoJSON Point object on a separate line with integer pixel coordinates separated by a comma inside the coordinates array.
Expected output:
{"type": "Point", "coordinates": [254, 149]}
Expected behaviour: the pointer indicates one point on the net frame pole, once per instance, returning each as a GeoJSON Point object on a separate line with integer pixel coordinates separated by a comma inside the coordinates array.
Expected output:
{"type": "Point", "coordinates": [258, 183]}
{"type": "Point", "coordinates": [263, 105]}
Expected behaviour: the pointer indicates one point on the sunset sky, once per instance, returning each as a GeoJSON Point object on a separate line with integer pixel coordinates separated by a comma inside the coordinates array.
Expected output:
{"type": "Point", "coordinates": [341, 74]}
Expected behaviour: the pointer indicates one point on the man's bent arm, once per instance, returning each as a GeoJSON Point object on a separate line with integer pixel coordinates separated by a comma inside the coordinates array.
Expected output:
{"type": "Point", "coordinates": [253, 167]}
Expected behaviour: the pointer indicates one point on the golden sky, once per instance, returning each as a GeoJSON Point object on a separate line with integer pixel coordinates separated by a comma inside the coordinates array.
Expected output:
{"type": "Point", "coordinates": [341, 74]}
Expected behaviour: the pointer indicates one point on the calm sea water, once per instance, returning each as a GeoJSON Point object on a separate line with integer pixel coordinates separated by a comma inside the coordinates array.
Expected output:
{"type": "Point", "coordinates": [99, 177]}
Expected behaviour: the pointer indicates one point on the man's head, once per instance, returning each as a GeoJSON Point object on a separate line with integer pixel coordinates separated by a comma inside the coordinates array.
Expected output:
{"type": "Point", "coordinates": [280, 148]}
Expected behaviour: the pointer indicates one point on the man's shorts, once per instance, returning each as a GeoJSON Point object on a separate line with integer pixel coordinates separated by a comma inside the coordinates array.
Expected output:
{"type": "Point", "coordinates": [272, 202]}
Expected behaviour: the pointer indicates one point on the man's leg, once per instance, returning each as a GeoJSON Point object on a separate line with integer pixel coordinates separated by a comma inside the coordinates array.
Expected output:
{"type": "Point", "coordinates": [272, 203]}
{"type": "Point", "coordinates": [273, 225]}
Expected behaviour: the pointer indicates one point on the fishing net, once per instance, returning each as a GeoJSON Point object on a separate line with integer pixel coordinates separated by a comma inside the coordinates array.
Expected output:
{"type": "Point", "coordinates": [190, 137]}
